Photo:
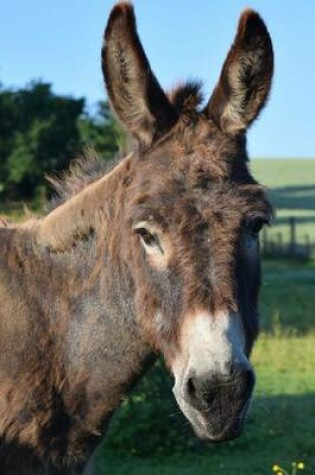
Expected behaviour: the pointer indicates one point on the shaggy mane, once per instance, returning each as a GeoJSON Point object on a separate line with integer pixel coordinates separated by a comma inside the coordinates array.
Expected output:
{"type": "Point", "coordinates": [82, 172]}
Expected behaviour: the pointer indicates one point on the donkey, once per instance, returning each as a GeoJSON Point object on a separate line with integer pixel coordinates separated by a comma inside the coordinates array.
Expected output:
{"type": "Point", "coordinates": [158, 255]}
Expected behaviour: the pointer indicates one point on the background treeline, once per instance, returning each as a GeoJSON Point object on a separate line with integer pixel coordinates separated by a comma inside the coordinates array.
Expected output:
{"type": "Point", "coordinates": [40, 132]}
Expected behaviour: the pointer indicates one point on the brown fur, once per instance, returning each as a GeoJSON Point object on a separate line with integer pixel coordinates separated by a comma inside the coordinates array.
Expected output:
{"type": "Point", "coordinates": [78, 294]}
{"type": "Point", "coordinates": [3, 221]}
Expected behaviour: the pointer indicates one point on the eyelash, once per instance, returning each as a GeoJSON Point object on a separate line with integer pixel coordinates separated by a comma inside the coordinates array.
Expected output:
{"type": "Point", "coordinates": [148, 238]}
{"type": "Point", "coordinates": [255, 225]}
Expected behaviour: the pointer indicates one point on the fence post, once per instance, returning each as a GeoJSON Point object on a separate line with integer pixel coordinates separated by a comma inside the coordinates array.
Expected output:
{"type": "Point", "coordinates": [279, 243]}
{"type": "Point", "coordinates": [308, 244]}
{"type": "Point", "coordinates": [292, 223]}
{"type": "Point", "coordinates": [265, 241]}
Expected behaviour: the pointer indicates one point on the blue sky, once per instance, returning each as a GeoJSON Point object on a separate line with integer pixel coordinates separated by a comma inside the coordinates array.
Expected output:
{"type": "Point", "coordinates": [59, 41]}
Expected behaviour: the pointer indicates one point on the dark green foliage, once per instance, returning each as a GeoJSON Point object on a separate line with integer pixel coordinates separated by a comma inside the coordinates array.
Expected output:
{"type": "Point", "coordinates": [102, 132]}
{"type": "Point", "coordinates": [40, 132]}
{"type": "Point", "coordinates": [149, 421]}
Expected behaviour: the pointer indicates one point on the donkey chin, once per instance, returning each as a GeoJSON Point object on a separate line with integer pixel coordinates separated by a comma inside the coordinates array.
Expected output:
{"type": "Point", "coordinates": [214, 380]}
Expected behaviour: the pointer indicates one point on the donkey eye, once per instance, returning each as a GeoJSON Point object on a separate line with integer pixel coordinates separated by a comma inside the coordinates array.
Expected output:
{"type": "Point", "coordinates": [256, 225]}
{"type": "Point", "coordinates": [148, 238]}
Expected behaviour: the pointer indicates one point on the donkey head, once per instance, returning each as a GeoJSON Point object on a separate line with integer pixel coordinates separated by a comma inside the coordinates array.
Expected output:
{"type": "Point", "coordinates": [192, 217]}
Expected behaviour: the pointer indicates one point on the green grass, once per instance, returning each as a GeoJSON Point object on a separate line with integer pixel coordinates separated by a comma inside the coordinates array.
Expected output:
{"type": "Point", "coordinates": [281, 426]}
{"type": "Point", "coordinates": [280, 173]}
{"type": "Point", "coordinates": [288, 298]}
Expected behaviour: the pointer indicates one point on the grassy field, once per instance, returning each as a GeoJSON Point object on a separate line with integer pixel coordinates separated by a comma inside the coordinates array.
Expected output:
{"type": "Point", "coordinates": [279, 173]}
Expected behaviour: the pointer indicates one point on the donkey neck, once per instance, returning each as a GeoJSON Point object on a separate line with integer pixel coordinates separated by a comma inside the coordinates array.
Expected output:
{"type": "Point", "coordinates": [89, 298]}
{"type": "Point", "coordinates": [101, 285]}
{"type": "Point", "coordinates": [81, 211]}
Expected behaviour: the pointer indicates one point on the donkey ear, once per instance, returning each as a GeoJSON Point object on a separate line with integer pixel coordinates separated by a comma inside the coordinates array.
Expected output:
{"type": "Point", "coordinates": [134, 93]}
{"type": "Point", "coordinates": [246, 76]}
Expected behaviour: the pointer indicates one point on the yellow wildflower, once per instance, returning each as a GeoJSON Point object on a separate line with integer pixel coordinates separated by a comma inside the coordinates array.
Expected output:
{"type": "Point", "coordinates": [276, 468]}
{"type": "Point", "coordinates": [301, 465]}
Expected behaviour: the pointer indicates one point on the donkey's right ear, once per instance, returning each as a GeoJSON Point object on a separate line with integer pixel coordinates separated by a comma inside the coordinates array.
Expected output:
{"type": "Point", "coordinates": [134, 93]}
{"type": "Point", "coordinates": [245, 79]}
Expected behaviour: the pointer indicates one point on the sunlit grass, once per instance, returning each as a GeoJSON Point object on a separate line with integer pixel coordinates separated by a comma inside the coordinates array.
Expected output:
{"type": "Point", "coordinates": [278, 173]}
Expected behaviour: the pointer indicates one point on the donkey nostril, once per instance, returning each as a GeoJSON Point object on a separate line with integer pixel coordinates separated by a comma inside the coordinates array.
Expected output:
{"type": "Point", "coordinates": [242, 371]}
{"type": "Point", "coordinates": [200, 390]}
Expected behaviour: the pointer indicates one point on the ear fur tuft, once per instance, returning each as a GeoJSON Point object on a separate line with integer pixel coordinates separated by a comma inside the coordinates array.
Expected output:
{"type": "Point", "coordinates": [186, 97]}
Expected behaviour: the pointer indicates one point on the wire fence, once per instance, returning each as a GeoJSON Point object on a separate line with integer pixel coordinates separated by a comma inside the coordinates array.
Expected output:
{"type": "Point", "coordinates": [287, 244]}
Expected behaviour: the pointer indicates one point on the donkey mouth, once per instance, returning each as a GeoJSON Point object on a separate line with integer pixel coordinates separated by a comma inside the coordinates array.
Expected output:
{"type": "Point", "coordinates": [213, 428]}
{"type": "Point", "coordinates": [223, 419]}
{"type": "Point", "coordinates": [222, 430]}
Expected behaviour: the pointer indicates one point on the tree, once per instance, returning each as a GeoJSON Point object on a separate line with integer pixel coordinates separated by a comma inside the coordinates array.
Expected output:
{"type": "Point", "coordinates": [103, 132]}
{"type": "Point", "coordinates": [40, 132]}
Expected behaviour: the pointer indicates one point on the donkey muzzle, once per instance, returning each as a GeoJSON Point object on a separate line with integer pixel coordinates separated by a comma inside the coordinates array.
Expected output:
{"type": "Point", "coordinates": [216, 405]}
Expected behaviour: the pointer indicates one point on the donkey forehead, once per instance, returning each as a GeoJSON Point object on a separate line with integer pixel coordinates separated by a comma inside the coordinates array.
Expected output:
{"type": "Point", "coordinates": [171, 201]}
{"type": "Point", "coordinates": [195, 153]}
{"type": "Point", "coordinates": [196, 141]}
{"type": "Point", "coordinates": [196, 171]}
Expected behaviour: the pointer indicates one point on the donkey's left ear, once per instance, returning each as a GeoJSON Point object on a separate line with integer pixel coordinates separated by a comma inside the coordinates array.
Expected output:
{"type": "Point", "coordinates": [133, 90]}
{"type": "Point", "coordinates": [246, 76]}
